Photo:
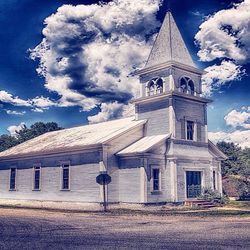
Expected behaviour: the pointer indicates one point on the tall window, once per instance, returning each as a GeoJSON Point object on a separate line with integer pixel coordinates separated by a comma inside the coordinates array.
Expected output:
{"type": "Point", "coordinates": [214, 180]}
{"type": "Point", "coordinates": [37, 177]}
{"type": "Point", "coordinates": [190, 130]}
{"type": "Point", "coordinates": [12, 178]}
{"type": "Point", "coordinates": [156, 179]}
{"type": "Point", "coordinates": [65, 176]}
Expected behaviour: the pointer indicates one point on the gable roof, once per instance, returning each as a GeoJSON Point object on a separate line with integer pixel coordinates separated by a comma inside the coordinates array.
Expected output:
{"type": "Point", "coordinates": [73, 138]}
{"type": "Point", "coordinates": [214, 150]}
{"type": "Point", "coordinates": [169, 45]}
{"type": "Point", "coordinates": [143, 145]}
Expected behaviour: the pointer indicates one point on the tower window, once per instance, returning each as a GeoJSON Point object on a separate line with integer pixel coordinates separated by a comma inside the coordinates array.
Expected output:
{"type": "Point", "coordinates": [159, 86]}
{"type": "Point", "coordinates": [187, 86]}
{"type": "Point", "coordinates": [190, 130]}
{"type": "Point", "coordinates": [154, 86]}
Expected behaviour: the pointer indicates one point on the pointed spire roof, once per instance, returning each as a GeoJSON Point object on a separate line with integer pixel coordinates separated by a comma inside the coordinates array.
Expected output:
{"type": "Point", "coordinates": [169, 45]}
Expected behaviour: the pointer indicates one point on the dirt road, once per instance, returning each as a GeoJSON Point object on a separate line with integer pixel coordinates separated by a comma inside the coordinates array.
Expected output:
{"type": "Point", "coordinates": [35, 229]}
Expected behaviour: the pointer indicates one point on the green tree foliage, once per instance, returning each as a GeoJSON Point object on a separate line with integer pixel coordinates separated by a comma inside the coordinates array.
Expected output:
{"type": "Point", "coordinates": [7, 141]}
{"type": "Point", "coordinates": [38, 128]}
{"type": "Point", "coordinates": [238, 162]}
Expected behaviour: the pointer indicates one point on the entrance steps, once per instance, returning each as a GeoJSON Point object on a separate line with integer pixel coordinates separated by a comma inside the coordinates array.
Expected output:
{"type": "Point", "coordinates": [199, 203]}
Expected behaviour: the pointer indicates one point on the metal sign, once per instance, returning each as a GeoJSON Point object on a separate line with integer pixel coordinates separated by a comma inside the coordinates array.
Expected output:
{"type": "Point", "coordinates": [104, 179]}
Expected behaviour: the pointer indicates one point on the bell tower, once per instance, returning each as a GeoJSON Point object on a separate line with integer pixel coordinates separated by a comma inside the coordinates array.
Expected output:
{"type": "Point", "coordinates": [170, 89]}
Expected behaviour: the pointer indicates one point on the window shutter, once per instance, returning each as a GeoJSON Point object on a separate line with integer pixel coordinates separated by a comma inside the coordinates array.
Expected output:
{"type": "Point", "coordinates": [183, 134]}
{"type": "Point", "coordinates": [198, 132]}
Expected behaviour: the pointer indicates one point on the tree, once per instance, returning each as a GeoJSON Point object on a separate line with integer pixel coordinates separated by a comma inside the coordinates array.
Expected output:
{"type": "Point", "coordinates": [7, 141]}
{"type": "Point", "coordinates": [35, 130]}
{"type": "Point", "coordinates": [238, 162]}
{"type": "Point", "coordinates": [38, 128]}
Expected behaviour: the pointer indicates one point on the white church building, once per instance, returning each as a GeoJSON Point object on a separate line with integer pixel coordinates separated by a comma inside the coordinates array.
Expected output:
{"type": "Point", "coordinates": [161, 155]}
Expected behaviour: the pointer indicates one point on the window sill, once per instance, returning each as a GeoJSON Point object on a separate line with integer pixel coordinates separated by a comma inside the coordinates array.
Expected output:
{"type": "Point", "coordinates": [65, 190]}
{"type": "Point", "coordinates": [156, 192]}
{"type": "Point", "coordinates": [12, 189]}
{"type": "Point", "coordinates": [36, 190]}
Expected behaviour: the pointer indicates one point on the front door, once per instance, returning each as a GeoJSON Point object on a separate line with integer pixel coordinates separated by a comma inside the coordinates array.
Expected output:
{"type": "Point", "coordinates": [193, 180]}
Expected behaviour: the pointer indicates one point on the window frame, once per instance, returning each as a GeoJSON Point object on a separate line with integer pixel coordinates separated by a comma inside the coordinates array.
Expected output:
{"type": "Point", "coordinates": [15, 179]}
{"type": "Point", "coordinates": [193, 130]}
{"type": "Point", "coordinates": [153, 168]}
{"type": "Point", "coordinates": [186, 85]}
{"type": "Point", "coordinates": [214, 180]}
{"type": "Point", "coordinates": [35, 167]}
{"type": "Point", "coordinates": [63, 166]}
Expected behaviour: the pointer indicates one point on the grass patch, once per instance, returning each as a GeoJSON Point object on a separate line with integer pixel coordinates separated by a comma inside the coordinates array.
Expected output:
{"type": "Point", "coordinates": [239, 204]}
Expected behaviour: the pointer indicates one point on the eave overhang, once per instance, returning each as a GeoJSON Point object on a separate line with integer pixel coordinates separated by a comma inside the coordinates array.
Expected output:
{"type": "Point", "coordinates": [169, 64]}
{"type": "Point", "coordinates": [171, 94]}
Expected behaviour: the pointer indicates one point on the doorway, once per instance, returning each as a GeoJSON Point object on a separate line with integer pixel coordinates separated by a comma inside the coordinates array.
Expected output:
{"type": "Point", "coordinates": [193, 180]}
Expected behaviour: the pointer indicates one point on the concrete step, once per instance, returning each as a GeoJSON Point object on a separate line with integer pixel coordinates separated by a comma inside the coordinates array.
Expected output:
{"type": "Point", "coordinates": [199, 203]}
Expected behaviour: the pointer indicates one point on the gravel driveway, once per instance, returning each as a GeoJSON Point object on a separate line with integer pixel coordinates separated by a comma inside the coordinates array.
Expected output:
{"type": "Point", "coordinates": [36, 229]}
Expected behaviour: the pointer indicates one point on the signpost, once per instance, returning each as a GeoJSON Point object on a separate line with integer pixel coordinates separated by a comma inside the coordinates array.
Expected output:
{"type": "Point", "coordinates": [103, 179]}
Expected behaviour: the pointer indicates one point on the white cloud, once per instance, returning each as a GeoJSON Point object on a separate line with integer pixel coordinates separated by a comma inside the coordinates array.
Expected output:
{"type": "Point", "coordinates": [43, 102]}
{"type": "Point", "coordinates": [13, 112]}
{"type": "Point", "coordinates": [38, 104]}
{"type": "Point", "coordinates": [239, 118]}
{"type": "Point", "coordinates": [218, 75]}
{"type": "Point", "coordinates": [89, 50]}
{"type": "Point", "coordinates": [240, 137]}
{"type": "Point", "coordinates": [15, 128]}
{"type": "Point", "coordinates": [225, 36]}
{"type": "Point", "coordinates": [6, 97]}
{"type": "Point", "coordinates": [37, 110]}
{"type": "Point", "coordinates": [239, 121]}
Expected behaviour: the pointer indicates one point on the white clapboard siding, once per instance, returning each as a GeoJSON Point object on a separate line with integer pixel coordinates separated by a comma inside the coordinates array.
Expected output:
{"type": "Point", "coordinates": [129, 185]}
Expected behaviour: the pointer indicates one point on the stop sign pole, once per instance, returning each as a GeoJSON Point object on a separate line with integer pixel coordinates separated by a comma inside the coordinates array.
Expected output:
{"type": "Point", "coordinates": [104, 198]}
{"type": "Point", "coordinates": [103, 179]}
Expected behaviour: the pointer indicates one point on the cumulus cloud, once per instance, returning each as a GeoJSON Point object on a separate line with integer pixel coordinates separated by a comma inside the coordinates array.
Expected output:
{"type": "Point", "coordinates": [6, 97]}
{"type": "Point", "coordinates": [111, 111]}
{"type": "Point", "coordinates": [239, 118]}
{"type": "Point", "coordinates": [13, 112]}
{"type": "Point", "coordinates": [225, 36]}
{"type": "Point", "coordinates": [240, 137]}
{"type": "Point", "coordinates": [218, 75]}
{"type": "Point", "coordinates": [239, 122]}
{"type": "Point", "coordinates": [88, 51]}
{"type": "Point", "coordinates": [43, 102]}
{"type": "Point", "coordinates": [14, 129]}
{"type": "Point", "coordinates": [37, 104]}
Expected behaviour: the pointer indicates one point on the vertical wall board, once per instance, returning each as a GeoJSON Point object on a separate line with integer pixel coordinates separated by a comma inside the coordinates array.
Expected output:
{"type": "Point", "coordinates": [156, 113]}
{"type": "Point", "coordinates": [82, 184]}
{"type": "Point", "coordinates": [129, 185]}
{"type": "Point", "coordinates": [115, 146]}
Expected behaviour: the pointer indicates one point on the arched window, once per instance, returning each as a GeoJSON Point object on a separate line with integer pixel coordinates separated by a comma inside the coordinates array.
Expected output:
{"type": "Point", "coordinates": [154, 86]}
{"type": "Point", "coordinates": [151, 87]}
{"type": "Point", "coordinates": [187, 85]}
{"type": "Point", "coordinates": [159, 86]}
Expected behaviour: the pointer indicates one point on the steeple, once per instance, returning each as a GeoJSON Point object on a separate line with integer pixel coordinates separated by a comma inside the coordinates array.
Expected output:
{"type": "Point", "coordinates": [169, 46]}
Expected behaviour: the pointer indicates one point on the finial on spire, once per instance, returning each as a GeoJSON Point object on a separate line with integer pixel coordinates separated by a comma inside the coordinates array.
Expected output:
{"type": "Point", "coordinates": [168, 6]}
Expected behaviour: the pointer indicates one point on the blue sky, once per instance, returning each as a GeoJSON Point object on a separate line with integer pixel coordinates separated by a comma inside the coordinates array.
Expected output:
{"type": "Point", "coordinates": [58, 92]}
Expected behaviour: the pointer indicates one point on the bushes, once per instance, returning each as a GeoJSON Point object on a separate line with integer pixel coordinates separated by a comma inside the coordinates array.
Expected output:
{"type": "Point", "coordinates": [213, 196]}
